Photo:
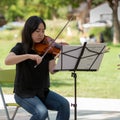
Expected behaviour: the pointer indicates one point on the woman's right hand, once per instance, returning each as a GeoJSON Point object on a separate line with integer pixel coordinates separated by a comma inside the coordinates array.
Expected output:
{"type": "Point", "coordinates": [37, 58]}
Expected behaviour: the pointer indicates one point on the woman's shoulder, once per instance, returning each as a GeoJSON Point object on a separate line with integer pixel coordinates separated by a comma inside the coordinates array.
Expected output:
{"type": "Point", "coordinates": [18, 48]}
{"type": "Point", "coordinates": [19, 45]}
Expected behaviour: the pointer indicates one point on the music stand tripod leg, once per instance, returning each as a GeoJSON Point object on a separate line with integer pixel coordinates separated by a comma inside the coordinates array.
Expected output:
{"type": "Point", "coordinates": [75, 79]}
{"type": "Point", "coordinates": [74, 75]}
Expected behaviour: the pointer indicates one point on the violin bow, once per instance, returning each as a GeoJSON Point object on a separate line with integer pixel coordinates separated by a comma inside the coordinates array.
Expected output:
{"type": "Point", "coordinates": [55, 39]}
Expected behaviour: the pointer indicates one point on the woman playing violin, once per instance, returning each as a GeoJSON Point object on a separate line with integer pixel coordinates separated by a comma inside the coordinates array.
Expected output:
{"type": "Point", "coordinates": [32, 84]}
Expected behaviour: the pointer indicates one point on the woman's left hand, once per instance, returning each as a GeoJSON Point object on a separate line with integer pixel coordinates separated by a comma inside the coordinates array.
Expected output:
{"type": "Point", "coordinates": [52, 64]}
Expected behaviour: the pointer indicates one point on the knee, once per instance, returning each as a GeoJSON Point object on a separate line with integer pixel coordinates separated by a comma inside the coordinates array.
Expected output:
{"type": "Point", "coordinates": [65, 105]}
{"type": "Point", "coordinates": [43, 114]}
{"type": "Point", "coordinates": [40, 115]}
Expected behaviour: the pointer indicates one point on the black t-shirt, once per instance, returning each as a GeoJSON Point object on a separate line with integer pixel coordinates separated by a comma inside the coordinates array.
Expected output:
{"type": "Point", "coordinates": [30, 81]}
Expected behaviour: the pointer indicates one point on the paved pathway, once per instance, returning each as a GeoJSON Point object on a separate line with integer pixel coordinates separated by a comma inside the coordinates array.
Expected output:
{"type": "Point", "coordinates": [87, 109]}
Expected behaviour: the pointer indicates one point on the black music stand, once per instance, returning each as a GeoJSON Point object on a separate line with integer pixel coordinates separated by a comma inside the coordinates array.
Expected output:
{"type": "Point", "coordinates": [80, 58]}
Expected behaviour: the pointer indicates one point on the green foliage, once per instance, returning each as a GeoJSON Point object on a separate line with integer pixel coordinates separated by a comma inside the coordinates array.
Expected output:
{"type": "Point", "coordinates": [62, 12]}
{"type": "Point", "coordinates": [5, 5]}
{"type": "Point", "coordinates": [14, 13]}
{"type": "Point", "coordinates": [48, 9]}
{"type": "Point", "coordinates": [97, 2]}
{"type": "Point", "coordinates": [107, 32]}
{"type": "Point", "coordinates": [22, 9]}
{"type": "Point", "coordinates": [96, 30]}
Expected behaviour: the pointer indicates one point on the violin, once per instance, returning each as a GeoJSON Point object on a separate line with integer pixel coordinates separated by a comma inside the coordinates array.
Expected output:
{"type": "Point", "coordinates": [48, 45]}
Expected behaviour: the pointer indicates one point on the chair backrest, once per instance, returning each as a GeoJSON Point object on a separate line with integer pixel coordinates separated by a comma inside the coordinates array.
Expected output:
{"type": "Point", "coordinates": [7, 76]}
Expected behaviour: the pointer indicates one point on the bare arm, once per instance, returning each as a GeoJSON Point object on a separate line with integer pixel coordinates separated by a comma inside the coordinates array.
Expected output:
{"type": "Point", "coordinates": [12, 58]}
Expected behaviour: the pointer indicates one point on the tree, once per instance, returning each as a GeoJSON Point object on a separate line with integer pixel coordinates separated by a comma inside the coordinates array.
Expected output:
{"type": "Point", "coordinates": [116, 26]}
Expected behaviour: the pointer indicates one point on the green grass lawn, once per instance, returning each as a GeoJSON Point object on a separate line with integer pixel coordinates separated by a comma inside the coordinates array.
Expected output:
{"type": "Point", "coordinates": [104, 83]}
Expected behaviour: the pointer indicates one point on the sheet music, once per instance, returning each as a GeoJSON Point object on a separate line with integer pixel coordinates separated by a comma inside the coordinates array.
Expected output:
{"type": "Point", "coordinates": [90, 60]}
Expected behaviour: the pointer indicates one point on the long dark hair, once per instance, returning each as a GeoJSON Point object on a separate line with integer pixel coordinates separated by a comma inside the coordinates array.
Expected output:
{"type": "Point", "coordinates": [30, 26]}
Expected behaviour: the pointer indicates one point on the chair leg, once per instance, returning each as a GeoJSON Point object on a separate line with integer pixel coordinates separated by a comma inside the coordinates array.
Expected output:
{"type": "Point", "coordinates": [48, 117]}
{"type": "Point", "coordinates": [5, 107]}
{"type": "Point", "coordinates": [15, 112]}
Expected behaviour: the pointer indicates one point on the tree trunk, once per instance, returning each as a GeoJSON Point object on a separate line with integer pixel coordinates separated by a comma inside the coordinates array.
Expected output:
{"type": "Point", "coordinates": [116, 26]}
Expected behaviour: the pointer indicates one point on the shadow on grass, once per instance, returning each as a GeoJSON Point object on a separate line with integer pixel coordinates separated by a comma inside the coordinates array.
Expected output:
{"type": "Point", "coordinates": [63, 82]}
